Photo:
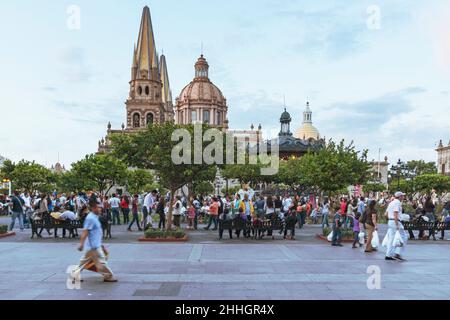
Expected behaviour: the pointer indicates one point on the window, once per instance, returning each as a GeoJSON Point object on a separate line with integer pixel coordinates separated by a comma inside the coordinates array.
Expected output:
{"type": "Point", "coordinates": [150, 119]}
{"type": "Point", "coordinates": [147, 90]}
{"type": "Point", "coordinates": [136, 120]}
{"type": "Point", "coordinates": [194, 116]}
{"type": "Point", "coordinates": [206, 117]}
{"type": "Point", "coordinates": [219, 118]}
{"type": "Point", "coordinates": [139, 90]}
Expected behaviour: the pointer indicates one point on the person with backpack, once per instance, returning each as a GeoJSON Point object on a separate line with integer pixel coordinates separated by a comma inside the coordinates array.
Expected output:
{"type": "Point", "coordinates": [16, 205]}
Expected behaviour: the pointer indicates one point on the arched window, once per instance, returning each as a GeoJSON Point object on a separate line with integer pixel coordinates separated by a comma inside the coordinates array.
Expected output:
{"type": "Point", "coordinates": [147, 90]}
{"type": "Point", "coordinates": [139, 90]}
{"type": "Point", "coordinates": [150, 119]}
{"type": "Point", "coordinates": [219, 118]}
{"type": "Point", "coordinates": [136, 120]}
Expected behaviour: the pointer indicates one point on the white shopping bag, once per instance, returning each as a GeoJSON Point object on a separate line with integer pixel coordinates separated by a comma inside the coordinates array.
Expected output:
{"type": "Point", "coordinates": [375, 240]}
{"type": "Point", "coordinates": [385, 241]}
{"type": "Point", "coordinates": [398, 241]}
{"type": "Point", "coordinates": [362, 238]}
{"type": "Point", "coordinates": [330, 236]}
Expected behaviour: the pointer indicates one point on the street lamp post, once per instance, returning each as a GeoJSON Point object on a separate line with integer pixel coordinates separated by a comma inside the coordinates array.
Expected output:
{"type": "Point", "coordinates": [9, 185]}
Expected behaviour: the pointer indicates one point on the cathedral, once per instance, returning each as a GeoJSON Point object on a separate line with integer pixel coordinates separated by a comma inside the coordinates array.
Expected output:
{"type": "Point", "coordinates": [201, 101]}
{"type": "Point", "coordinates": [150, 97]}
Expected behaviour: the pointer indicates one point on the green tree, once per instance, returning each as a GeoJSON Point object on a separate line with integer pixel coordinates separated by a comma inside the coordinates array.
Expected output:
{"type": "Point", "coordinates": [421, 167]}
{"type": "Point", "coordinates": [140, 180]}
{"type": "Point", "coordinates": [329, 170]}
{"type": "Point", "coordinates": [31, 177]}
{"type": "Point", "coordinates": [152, 149]}
{"type": "Point", "coordinates": [428, 182]}
{"type": "Point", "coordinates": [6, 170]}
{"type": "Point", "coordinates": [102, 171]}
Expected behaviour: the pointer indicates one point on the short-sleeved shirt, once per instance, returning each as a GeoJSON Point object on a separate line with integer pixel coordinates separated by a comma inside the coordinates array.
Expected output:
{"type": "Point", "coordinates": [394, 206]}
{"type": "Point", "coordinates": [114, 202]}
{"type": "Point", "coordinates": [93, 226]}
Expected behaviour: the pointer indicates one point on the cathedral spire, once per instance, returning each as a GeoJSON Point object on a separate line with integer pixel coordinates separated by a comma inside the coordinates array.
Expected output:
{"type": "Point", "coordinates": [146, 56]}
{"type": "Point", "coordinates": [166, 92]}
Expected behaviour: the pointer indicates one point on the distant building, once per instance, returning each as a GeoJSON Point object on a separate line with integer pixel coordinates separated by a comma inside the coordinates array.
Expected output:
{"type": "Point", "coordinates": [58, 168]}
{"type": "Point", "coordinates": [307, 131]}
{"type": "Point", "coordinates": [307, 137]}
{"type": "Point", "coordinates": [443, 162]}
{"type": "Point", "coordinates": [380, 171]}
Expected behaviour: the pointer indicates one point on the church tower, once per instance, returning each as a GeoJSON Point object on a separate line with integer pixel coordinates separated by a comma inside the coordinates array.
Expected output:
{"type": "Point", "coordinates": [149, 100]}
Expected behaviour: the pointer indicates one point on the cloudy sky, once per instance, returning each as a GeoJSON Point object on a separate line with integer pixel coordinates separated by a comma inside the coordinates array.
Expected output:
{"type": "Point", "coordinates": [376, 72]}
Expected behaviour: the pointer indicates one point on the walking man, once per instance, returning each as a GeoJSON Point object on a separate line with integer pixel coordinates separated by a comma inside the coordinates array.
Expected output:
{"type": "Point", "coordinates": [337, 237]}
{"type": "Point", "coordinates": [16, 205]}
{"type": "Point", "coordinates": [394, 211]}
{"type": "Point", "coordinates": [96, 253]}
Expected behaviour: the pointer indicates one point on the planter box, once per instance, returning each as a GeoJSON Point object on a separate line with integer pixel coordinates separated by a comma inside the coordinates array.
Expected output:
{"type": "Point", "coordinates": [322, 237]}
{"type": "Point", "coordinates": [8, 234]}
{"type": "Point", "coordinates": [184, 239]}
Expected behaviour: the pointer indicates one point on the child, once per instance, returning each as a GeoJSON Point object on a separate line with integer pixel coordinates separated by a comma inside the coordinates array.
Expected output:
{"type": "Point", "coordinates": [356, 230]}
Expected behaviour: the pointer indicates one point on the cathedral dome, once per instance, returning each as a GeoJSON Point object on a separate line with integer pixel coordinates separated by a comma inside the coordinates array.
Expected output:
{"type": "Point", "coordinates": [201, 89]}
{"type": "Point", "coordinates": [307, 130]}
{"type": "Point", "coordinates": [201, 100]}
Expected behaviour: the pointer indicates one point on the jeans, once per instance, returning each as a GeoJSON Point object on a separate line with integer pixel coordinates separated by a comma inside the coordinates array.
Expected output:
{"type": "Point", "coordinates": [135, 219]}
{"type": "Point", "coordinates": [212, 219]}
{"type": "Point", "coordinates": [392, 229]}
{"type": "Point", "coordinates": [14, 216]}
{"type": "Point", "coordinates": [126, 215]}
{"type": "Point", "coordinates": [325, 220]}
{"type": "Point", "coordinates": [115, 216]}
{"type": "Point", "coordinates": [337, 235]}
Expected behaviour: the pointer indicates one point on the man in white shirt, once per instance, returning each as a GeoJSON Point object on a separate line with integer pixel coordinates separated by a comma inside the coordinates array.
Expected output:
{"type": "Point", "coordinates": [394, 211]}
{"type": "Point", "coordinates": [114, 202]}
{"type": "Point", "coordinates": [148, 206]}
{"type": "Point", "coordinates": [287, 202]}
{"type": "Point", "coordinates": [27, 209]}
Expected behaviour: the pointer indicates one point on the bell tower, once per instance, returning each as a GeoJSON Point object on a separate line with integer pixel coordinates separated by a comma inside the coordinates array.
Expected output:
{"type": "Point", "coordinates": [146, 104]}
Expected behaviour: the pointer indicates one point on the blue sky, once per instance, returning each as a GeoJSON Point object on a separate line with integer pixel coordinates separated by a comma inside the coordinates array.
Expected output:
{"type": "Point", "coordinates": [383, 88]}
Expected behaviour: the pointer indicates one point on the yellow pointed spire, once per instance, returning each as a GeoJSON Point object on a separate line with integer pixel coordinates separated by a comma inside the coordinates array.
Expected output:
{"type": "Point", "coordinates": [166, 93]}
{"type": "Point", "coordinates": [146, 56]}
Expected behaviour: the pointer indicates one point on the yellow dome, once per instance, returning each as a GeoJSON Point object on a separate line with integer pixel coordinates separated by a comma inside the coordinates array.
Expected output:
{"type": "Point", "coordinates": [307, 131]}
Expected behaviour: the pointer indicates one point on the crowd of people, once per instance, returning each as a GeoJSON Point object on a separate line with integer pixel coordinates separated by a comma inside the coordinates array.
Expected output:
{"type": "Point", "coordinates": [361, 214]}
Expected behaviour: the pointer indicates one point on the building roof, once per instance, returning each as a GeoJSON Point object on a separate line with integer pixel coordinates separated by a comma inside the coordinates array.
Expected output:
{"type": "Point", "coordinates": [201, 89]}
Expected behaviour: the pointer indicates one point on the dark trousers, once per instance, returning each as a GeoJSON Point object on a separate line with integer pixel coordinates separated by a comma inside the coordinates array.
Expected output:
{"type": "Point", "coordinates": [126, 215]}
{"type": "Point", "coordinates": [177, 221]}
{"type": "Point", "coordinates": [135, 220]}
{"type": "Point", "coordinates": [337, 235]}
{"type": "Point", "coordinates": [221, 233]}
{"type": "Point", "coordinates": [162, 221]}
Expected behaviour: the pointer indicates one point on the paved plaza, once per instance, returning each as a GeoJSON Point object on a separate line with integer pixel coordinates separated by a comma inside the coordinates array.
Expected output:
{"type": "Point", "coordinates": [204, 268]}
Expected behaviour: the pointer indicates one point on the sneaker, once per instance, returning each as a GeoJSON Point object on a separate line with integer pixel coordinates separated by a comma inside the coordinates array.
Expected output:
{"type": "Point", "coordinates": [389, 258]}
{"type": "Point", "coordinates": [399, 257]}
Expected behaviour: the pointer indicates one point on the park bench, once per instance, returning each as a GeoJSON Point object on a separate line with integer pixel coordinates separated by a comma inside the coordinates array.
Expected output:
{"type": "Point", "coordinates": [432, 227]}
{"type": "Point", "coordinates": [256, 229]}
{"type": "Point", "coordinates": [49, 223]}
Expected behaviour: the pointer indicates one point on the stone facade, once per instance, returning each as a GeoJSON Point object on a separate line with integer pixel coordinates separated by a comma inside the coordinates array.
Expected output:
{"type": "Point", "coordinates": [443, 162]}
